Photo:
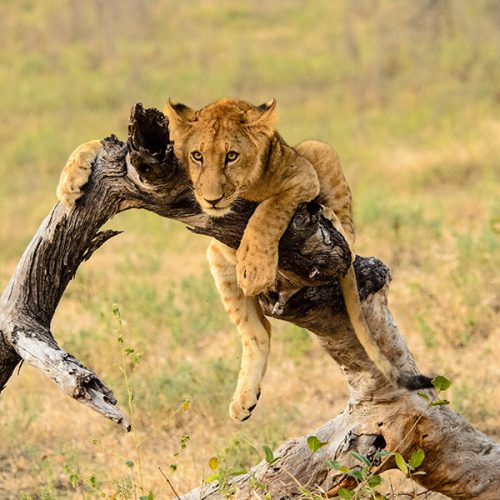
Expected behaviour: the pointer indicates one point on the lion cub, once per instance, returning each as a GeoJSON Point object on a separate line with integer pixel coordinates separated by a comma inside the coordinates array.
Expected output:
{"type": "Point", "coordinates": [232, 150]}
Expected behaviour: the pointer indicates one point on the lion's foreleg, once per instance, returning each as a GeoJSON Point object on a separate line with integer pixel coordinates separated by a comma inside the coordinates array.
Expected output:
{"type": "Point", "coordinates": [254, 329]}
{"type": "Point", "coordinates": [257, 255]}
{"type": "Point", "coordinates": [76, 172]}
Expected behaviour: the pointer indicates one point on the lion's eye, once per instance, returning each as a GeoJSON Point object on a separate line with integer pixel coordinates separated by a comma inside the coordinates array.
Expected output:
{"type": "Point", "coordinates": [231, 156]}
{"type": "Point", "coordinates": [196, 156]}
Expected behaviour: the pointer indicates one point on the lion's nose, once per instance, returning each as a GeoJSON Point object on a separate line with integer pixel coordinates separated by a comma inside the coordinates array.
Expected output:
{"type": "Point", "coordinates": [213, 202]}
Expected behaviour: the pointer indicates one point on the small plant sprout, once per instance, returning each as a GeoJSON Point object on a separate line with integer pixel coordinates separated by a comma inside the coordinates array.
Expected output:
{"type": "Point", "coordinates": [78, 481]}
{"type": "Point", "coordinates": [366, 482]}
{"type": "Point", "coordinates": [223, 471]}
{"type": "Point", "coordinates": [132, 485]}
{"type": "Point", "coordinates": [269, 455]}
{"type": "Point", "coordinates": [127, 352]}
{"type": "Point", "coordinates": [314, 444]}
{"type": "Point", "coordinates": [440, 383]}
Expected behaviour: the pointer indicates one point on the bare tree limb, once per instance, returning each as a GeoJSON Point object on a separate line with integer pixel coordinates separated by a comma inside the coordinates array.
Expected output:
{"type": "Point", "coordinates": [460, 461]}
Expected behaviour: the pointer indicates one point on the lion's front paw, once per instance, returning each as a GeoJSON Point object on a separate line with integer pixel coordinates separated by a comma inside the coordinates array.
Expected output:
{"type": "Point", "coordinates": [255, 268]}
{"type": "Point", "coordinates": [76, 172]}
{"type": "Point", "coordinates": [243, 403]}
{"type": "Point", "coordinates": [70, 186]}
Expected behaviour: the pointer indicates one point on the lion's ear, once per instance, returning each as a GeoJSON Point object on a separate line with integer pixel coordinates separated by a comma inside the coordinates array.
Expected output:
{"type": "Point", "coordinates": [263, 115]}
{"type": "Point", "coordinates": [179, 114]}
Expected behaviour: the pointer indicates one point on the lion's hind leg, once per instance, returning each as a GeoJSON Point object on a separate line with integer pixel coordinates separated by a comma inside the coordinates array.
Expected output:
{"type": "Point", "coordinates": [335, 195]}
{"type": "Point", "coordinates": [254, 329]}
{"type": "Point", "coordinates": [76, 172]}
{"type": "Point", "coordinates": [334, 190]}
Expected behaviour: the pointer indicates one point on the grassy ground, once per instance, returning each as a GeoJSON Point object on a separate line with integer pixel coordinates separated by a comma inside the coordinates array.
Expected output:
{"type": "Point", "coordinates": [408, 94]}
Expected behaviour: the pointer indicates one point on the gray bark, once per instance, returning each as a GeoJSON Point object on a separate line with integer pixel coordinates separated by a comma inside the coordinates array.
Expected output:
{"type": "Point", "coordinates": [460, 461]}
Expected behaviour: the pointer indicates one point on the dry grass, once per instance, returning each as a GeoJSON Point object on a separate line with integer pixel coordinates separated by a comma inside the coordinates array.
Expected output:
{"type": "Point", "coordinates": [408, 96]}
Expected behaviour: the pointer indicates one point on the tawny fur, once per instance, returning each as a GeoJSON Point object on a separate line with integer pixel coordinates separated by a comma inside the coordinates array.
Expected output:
{"type": "Point", "coordinates": [232, 150]}
{"type": "Point", "coordinates": [76, 172]}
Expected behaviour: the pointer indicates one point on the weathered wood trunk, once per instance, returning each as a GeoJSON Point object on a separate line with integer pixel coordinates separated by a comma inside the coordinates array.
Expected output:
{"type": "Point", "coordinates": [460, 461]}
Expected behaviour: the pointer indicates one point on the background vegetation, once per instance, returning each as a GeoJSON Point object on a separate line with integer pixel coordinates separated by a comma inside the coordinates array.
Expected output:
{"type": "Point", "coordinates": [407, 92]}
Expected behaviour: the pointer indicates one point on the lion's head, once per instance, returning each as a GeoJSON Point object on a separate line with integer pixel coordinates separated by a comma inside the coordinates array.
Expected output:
{"type": "Point", "coordinates": [223, 146]}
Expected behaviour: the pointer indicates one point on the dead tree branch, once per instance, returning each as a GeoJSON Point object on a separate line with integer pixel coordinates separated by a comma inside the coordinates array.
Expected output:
{"type": "Point", "coordinates": [460, 461]}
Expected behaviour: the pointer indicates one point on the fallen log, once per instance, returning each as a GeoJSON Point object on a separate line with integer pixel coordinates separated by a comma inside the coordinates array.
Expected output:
{"type": "Point", "coordinates": [460, 461]}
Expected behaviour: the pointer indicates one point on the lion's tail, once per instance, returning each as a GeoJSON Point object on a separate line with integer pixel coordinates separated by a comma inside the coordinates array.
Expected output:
{"type": "Point", "coordinates": [358, 321]}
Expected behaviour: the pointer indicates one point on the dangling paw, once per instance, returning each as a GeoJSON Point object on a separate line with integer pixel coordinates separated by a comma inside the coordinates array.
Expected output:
{"type": "Point", "coordinates": [255, 267]}
{"type": "Point", "coordinates": [243, 403]}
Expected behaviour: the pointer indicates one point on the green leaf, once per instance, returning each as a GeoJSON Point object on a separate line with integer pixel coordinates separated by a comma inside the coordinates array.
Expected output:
{"type": "Point", "coordinates": [374, 481]}
{"type": "Point", "coordinates": [173, 467]}
{"type": "Point", "coordinates": [440, 402]}
{"type": "Point", "coordinates": [93, 481]}
{"type": "Point", "coordinates": [268, 454]}
{"type": "Point", "coordinates": [423, 395]}
{"type": "Point", "coordinates": [441, 383]}
{"type": "Point", "coordinates": [73, 479]}
{"type": "Point", "coordinates": [417, 457]}
{"type": "Point", "coordinates": [345, 493]}
{"type": "Point", "coordinates": [128, 350]}
{"type": "Point", "coordinates": [361, 458]}
{"type": "Point", "coordinates": [212, 477]}
{"type": "Point", "coordinates": [213, 463]}
{"type": "Point", "coordinates": [149, 496]}
{"type": "Point", "coordinates": [356, 473]}
{"type": "Point", "coordinates": [129, 463]}
{"type": "Point", "coordinates": [314, 444]}
{"type": "Point", "coordinates": [333, 464]}
{"type": "Point", "coordinates": [400, 462]}
{"type": "Point", "coordinates": [383, 454]}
